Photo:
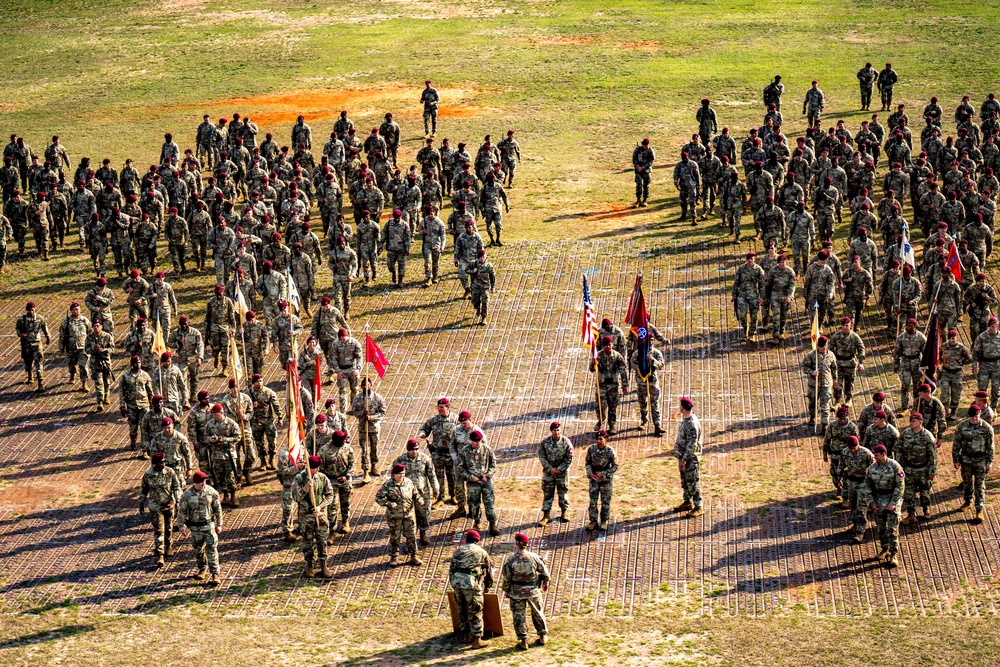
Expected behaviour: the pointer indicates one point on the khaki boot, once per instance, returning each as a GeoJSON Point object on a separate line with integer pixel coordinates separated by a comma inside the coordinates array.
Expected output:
{"type": "Point", "coordinates": [523, 644]}
{"type": "Point", "coordinates": [684, 506]}
{"type": "Point", "coordinates": [893, 562]}
{"type": "Point", "coordinates": [423, 539]}
{"type": "Point", "coordinates": [202, 575]}
{"type": "Point", "coordinates": [591, 527]}
{"type": "Point", "coordinates": [477, 642]}
{"type": "Point", "coordinates": [83, 386]}
{"type": "Point", "coordinates": [542, 640]}
{"type": "Point", "coordinates": [979, 517]}
{"type": "Point", "coordinates": [170, 551]}
{"type": "Point", "coordinates": [329, 541]}
{"type": "Point", "coordinates": [494, 531]}
{"type": "Point", "coordinates": [248, 476]}
{"type": "Point", "coordinates": [310, 571]}
{"type": "Point", "coordinates": [394, 560]}
{"type": "Point", "coordinates": [41, 386]}
{"type": "Point", "coordinates": [415, 560]}
{"type": "Point", "coordinates": [965, 505]}
{"type": "Point", "coordinates": [883, 552]}
{"type": "Point", "coordinates": [908, 519]}
{"type": "Point", "coordinates": [325, 571]}
{"type": "Point", "coordinates": [234, 499]}
{"type": "Point", "coordinates": [345, 527]}
{"type": "Point", "coordinates": [458, 513]}
{"type": "Point", "coordinates": [697, 511]}
{"type": "Point", "coordinates": [213, 580]}
{"type": "Point", "coordinates": [562, 517]}
{"type": "Point", "coordinates": [289, 537]}
{"type": "Point", "coordinates": [438, 503]}
{"type": "Point", "coordinates": [366, 479]}
{"type": "Point", "coordinates": [544, 521]}
{"type": "Point", "coordinates": [603, 526]}
{"type": "Point", "coordinates": [927, 514]}
{"type": "Point", "coordinates": [159, 559]}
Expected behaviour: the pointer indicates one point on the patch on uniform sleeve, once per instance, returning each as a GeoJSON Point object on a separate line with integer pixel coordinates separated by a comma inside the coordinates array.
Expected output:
{"type": "Point", "coordinates": [902, 474]}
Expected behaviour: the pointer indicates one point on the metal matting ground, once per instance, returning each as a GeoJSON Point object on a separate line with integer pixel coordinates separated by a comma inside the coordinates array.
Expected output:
{"type": "Point", "coordinates": [70, 535]}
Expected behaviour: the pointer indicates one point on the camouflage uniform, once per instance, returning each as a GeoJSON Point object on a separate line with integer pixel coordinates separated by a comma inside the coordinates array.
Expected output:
{"type": "Point", "coordinates": [859, 287]}
{"type": "Point", "coordinates": [73, 342]}
{"type": "Point", "coordinates": [834, 442]}
{"type": "Point", "coordinates": [557, 454]}
{"type": "Point", "coordinates": [473, 463]}
{"type": "Point", "coordinates": [853, 470]}
{"type": "Point", "coordinates": [399, 500]}
{"type": "Point", "coordinates": [887, 436]}
{"type": "Point", "coordinates": [818, 288]}
{"type": "Point", "coordinates": [240, 409]}
{"type": "Point", "coordinates": [273, 289]}
{"type": "Point", "coordinates": [801, 235]}
{"type": "Point", "coordinates": [189, 352]}
{"type": "Point", "coordinates": [223, 438]}
{"type": "Point", "coordinates": [648, 390]}
{"type": "Point", "coordinates": [150, 425]}
{"type": "Point", "coordinates": [432, 232]}
{"type": "Point", "coordinates": [220, 321]}
{"type": "Point", "coordinates": [470, 575]}
{"type": "Point", "coordinates": [973, 451]}
{"type": "Point", "coordinates": [136, 390]}
{"type": "Point", "coordinates": [467, 247]}
{"type": "Point", "coordinates": [283, 329]}
{"type": "Point", "coordinates": [421, 472]}
{"type": "Point", "coordinates": [849, 350]}
{"type": "Point", "coordinates": [344, 266]}
{"type": "Point", "coordinates": [314, 529]}
{"type": "Point", "coordinates": [160, 491]}
{"type": "Point", "coordinates": [489, 203]}
{"type": "Point", "coordinates": [483, 282]}
{"type": "Point", "coordinates": [748, 288]}
{"type": "Point", "coordinates": [986, 353]}
{"type": "Point", "coordinates": [201, 513]}
{"type": "Point", "coordinates": [951, 378]}
{"type": "Point", "coordinates": [611, 369]}
{"type": "Point", "coordinates": [884, 486]}
{"type": "Point", "coordinates": [337, 463]}
{"type": "Point", "coordinates": [918, 456]}
{"type": "Point", "coordinates": [263, 422]}
{"type": "Point", "coordinates": [642, 164]}
{"type": "Point", "coordinates": [98, 350]}
{"type": "Point", "coordinates": [286, 476]}
{"type": "Point", "coordinates": [907, 304]}
{"type": "Point", "coordinates": [346, 360]}
{"type": "Point", "coordinates": [369, 239]}
{"type": "Point", "coordinates": [779, 290]}
{"type": "Point", "coordinates": [442, 429]}
{"type": "Point", "coordinates": [828, 374]}
{"type": "Point", "coordinates": [256, 343]}
{"type": "Point", "coordinates": [368, 428]}
{"type": "Point", "coordinates": [687, 451]}
{"type": "Point", "coordinates": [176, 452]}
{"type": "Point", "coordinates": [978, 301]}
{"type": "Point", "coordinates": [31, 329]}
{"type": "Point", "coordinates": [522, 577]}
{"type": "Point", "coordinates": [687, 180]}
{"type": "Point", "coordinates": [605, 461]}
{"type": "Point", "coordinates": [906, 362]}
{"type": "Point", "coordinates": [396, 238]}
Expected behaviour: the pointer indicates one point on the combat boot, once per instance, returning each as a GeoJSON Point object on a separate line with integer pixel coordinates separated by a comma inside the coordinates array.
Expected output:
{"type": "Point", "coordinates": [427, 282]}
{"type": "Point", "coordinates": [883, 552]}
{"type": "Point", "coordinates": [927, 514]}
{"type": "Point", "coordinates": [213, 580]}
{"type": "Point", "coordinates": [270, 462]}
{"type": "Point", "coordinates": [893, 562]}
{"type": "Point", "coordinates": [965, 505]}
{"type": "Point", "coordinates": [83, 385]}
{"type": "Point", "coordinates": [542, 640]}
{"type": "Point", "coordinates": [492, 242]}
{"type": "Point", "coordinates": [289, 537]}
{"type": "Point", "coordinates": [697, 511]}
{"type": "Point", "coordinates": [41, 386]}
{"type": "Point", "coordinates": [366, 479]}
{"type": "Point", "coordinates": [247, 475]}
{"type": "Point", "coordinates": [329, 540]}
{"type": "Point", "coordinates": [159, 559]}
{"type": "Point", "coordinates": [638, 202]}
{"type": "Point", "coordinates": [477, 642]}
{"type": "Point", "coordinates": [657, 430]}
{"type": "Point", "coordinates": [423, 539]}
{"type": "Point", "coordinates": [908, 519]}
{"type": "Point", "coordinates": [499, 242]}
{"type": "Point", "coordinates": [415, 560]}
{"type": "Point", "coordinates": [394, 560]}
{"type": "Point", "coordinates": [310, 571]}
{"type": "Point", "coordinates": [603, 526]}
{"type": "Point", "coordinates": [562, 516]}
{"type": "Point", "coordinates": [451, 501]}
{"type": "Point", "coordinates": [494, 531]}
{"type": "Point", "coordinates": [458, 513]}
{"type": "Point", "coordinates": [345, 527]}
{"type": "Point", "coordinates": [325, 571]}
{"type": "Point", "coordinates": [170, 550]}
{"type": "Point", "coordinates": [642, 419]}
{"type": "Point", "coordinates": [234, 500]}
{"type": "Point", "coordinates": [522, 645]}
{"type": "Point", "coordinates": [544, 521]}
{"type": "Point", "coordinates": [202, 575]}
{"type": "Point", "coordinates": [438, 503]}
{"type": "Point", "coordinates": [684, 506]}
{"type": "Point", "coordinates": [979, 516]}
{"type": "Point", "coordinates": [591, 527]}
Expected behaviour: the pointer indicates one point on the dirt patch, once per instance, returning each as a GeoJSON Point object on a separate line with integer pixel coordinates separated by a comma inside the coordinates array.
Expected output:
{"type": "Point", "coordinates": [181, 4]}
{"type": "Point", "coordinates": [563, 41]}
{"type": "Point", "coordinates": [643, 45]}
{"type": "Point", "coordinates": [23, 496]}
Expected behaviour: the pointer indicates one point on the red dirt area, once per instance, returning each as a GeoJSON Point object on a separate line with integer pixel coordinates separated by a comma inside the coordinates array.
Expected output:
{"type": "Point", "coordinates": [643, 45]}
{"type": "Point", "coordinates": [22, 496]}
{"type": "Point", "coordinates": [564, 41]}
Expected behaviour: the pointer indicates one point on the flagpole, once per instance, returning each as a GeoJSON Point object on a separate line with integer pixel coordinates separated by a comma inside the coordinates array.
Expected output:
{"type": "Point", "coordinates": [930, 316]}
{"type": "Point", "coordinates": [899, 303]}
{"type": "Point", "coordinates": [597, 386]}
{"type": "Point", "coordinates": [816, 358]}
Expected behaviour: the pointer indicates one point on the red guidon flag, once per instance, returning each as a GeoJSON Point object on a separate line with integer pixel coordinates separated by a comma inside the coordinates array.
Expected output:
{"type": "Point", "coordinates": [374, 356]}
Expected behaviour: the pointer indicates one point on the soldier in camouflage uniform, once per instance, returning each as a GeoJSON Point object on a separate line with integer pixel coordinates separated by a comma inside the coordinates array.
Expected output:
{"type": "Point", "coordinates": [189, 354]}
{"type": "Point", "coordinates": [420, 471]}
{"type": "Point", "coordinates": [917, 454]}
{"type": "Point", "coordinates": [468, 244]}
{"type": "Point", "coordinates": [819, 285]}
{"type": "Point", "coordinates": [343, 264]}
{"type": "Point", "coordinates": [687, 451]}
{"type": "Point", "coordinates": [223, 438]}
{"type": "Point", "coordinates": [858, 288]}
{"type": "Point", "coordinates": [136, 390]}
{"type": "Point", "coordinates": [827, 201]}
{"type": "Point", "coordinates": [442, 427]}
{"type": "Point", "coordinates": [821, 367]}
{"type": "Point", "coordinates": [978, 301]}
{"type": "Point", "coordinates": [99, 346]}
{"type": "Point", "coordinates": [905, 295]}
{"type": "Point", "coordinates": [396, 239]}
{"type": "Point", "coordinates": [265, 420]}
{"type": "Point", "coordinates": [73, 341]}
{"type": "Point", "coordinates": [135, 288]}
{"type": "Point", "coordinates": [972, 453]}
{"type": "Point", "coordinates": [325, 326]}
{"type": "Point", "coordinates": [200, 514]}
{"type": "Point", "coordinates": [399, 497]}
{"type": "Point", "coordinates": [556, 456]}
{"type": "Point", "coordinates": [272, 286]}
{"type": "Point", "coordinates": [524, 577]}
{"type": "Point", "coordinates": [369, 240]}
{"type": "Point", "coordinates": [711, 170]}
{"type": "Point", "coordinates": [345, 359]}
{"type": "Point", "coordinates": [849, 350]}
{"type": "Point", "coordinates": [954, 355]}
{"type": "Point", "coordinates": [337, 463]}
{"type": "Point", "coordinates": [220, 322]}
{"type": "Point", "coordinates": [432, 234]}
{"type": "Point", "coordinates": [601, 466]}
{"type": "Point", "coordinates": [175, 448]}
{"type": "Point", "coordinates": [779, 290]}
{"type": "Point", "coordinates": [881, 432]}
{"type": "Point", "coordinates": [748, 292]}
{"type": "Point", "coordinates": [312, 492]}
{"type": "Point", "coordinates": [801, 235]}
{"type": "Point", "coordinates": [284, 328]}
{"type": "Point", "coordinates": [834, 441]}
{"type": "Point", "coordinates": [867, 416]}
{"type": "Point", "coordinates": [611, 370]}
{"type": "Point", "coordinates": [160, 491]}
{"type": "Point", "coordinates": [98, 301]}
{"type": "Point", "coordinates": [477, 465]}
{"type": "Point", "coordinates": [256, 341]}
{"type": "Point", "coordinates": [906, 359]}
{"type": "Point", "coordinates": [31, 330]}
{"type": "Point", "coordinates": [642, 164]}
{"type": "Point", "coordinates": [368, 407]}
{"type": "Point", "coordinates": [238, 406]}
{"type": "Point", "coordinates": [482, 284]}
{"type": "Point", "coordinates": [986, 360]}
{"type": "Point", "coordinates": [152, 423]}
{"type": "Point", "coordinates": [884, 486]}
{"type": "Point", "coordinates": [470, 575]}
{"type": "Point", "coordinates": [854, 463]}
{"type": "Point", "coordinates": [687, 180]}
{"type": "Point", "coordinates": [490, 197]}
{"type": "Point", "coordinates": [287, 471]}
{"type": "Point", "coordinates": [303, 274]}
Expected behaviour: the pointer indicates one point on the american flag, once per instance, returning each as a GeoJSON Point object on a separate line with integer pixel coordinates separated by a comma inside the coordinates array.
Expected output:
{"type": "Point", "coordinates": [589, 329]}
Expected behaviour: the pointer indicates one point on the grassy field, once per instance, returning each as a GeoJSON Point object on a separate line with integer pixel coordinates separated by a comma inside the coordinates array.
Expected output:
{"type": "Point", "coordinates": [581, 82]}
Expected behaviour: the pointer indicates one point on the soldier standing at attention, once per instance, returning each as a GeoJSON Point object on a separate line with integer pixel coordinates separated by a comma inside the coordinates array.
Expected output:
{"type": "Point", "coordinates": [399, 497]}
{"type": "Point", "coordinates": [478, 465]}
{"type": "Point", "coordinates": [814, 102]}
{"type": "Point", "coordinates": [524, 577]}
{"type": "Point", "coordinates": [887, 78]}
{"type": "Point", "coordinates": [160, 491]}
{"type": "Point", "coordinates": [442, 427]}
{"type": "Point", "coordinates": [917, 453]}
{"type": "Point", "coordinates": [312, 491]}
{"type": "Point", "coordinates": [611, 370]}
{"type": "Point", "coordinates": [602, 464]}
{"type": "Point", "coordinates": [420, 471]}
{"type": "Point", "coordinates": [687, 451]}
{"type": "Point", "coordinates": [430, 99]}
{"type": "Point", "coordinates": [199, 513]}
{"type": "Point", "coordinates": [369, 409]}
{"type": "Point", "coordinates": [866, 79]}
{"type": "Point", "coordinates": [707, 122]}
{"type": "Point", "coordinates": [972, 453]}
{"type": "Point", "coordinates": [556, 456]}
{"type": "Point", "coordinates": [31, 329]}
{"type": "Point", "coordinates": [642, 164]}
{"type": "Point", "coordinates": [470, 575]}
{"type": "Point", "coordinates": [821, 366]}
{"type": "Point", "coordinates": [73, 342]}
{"type": "Point", "coordinates": [885, 482]}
